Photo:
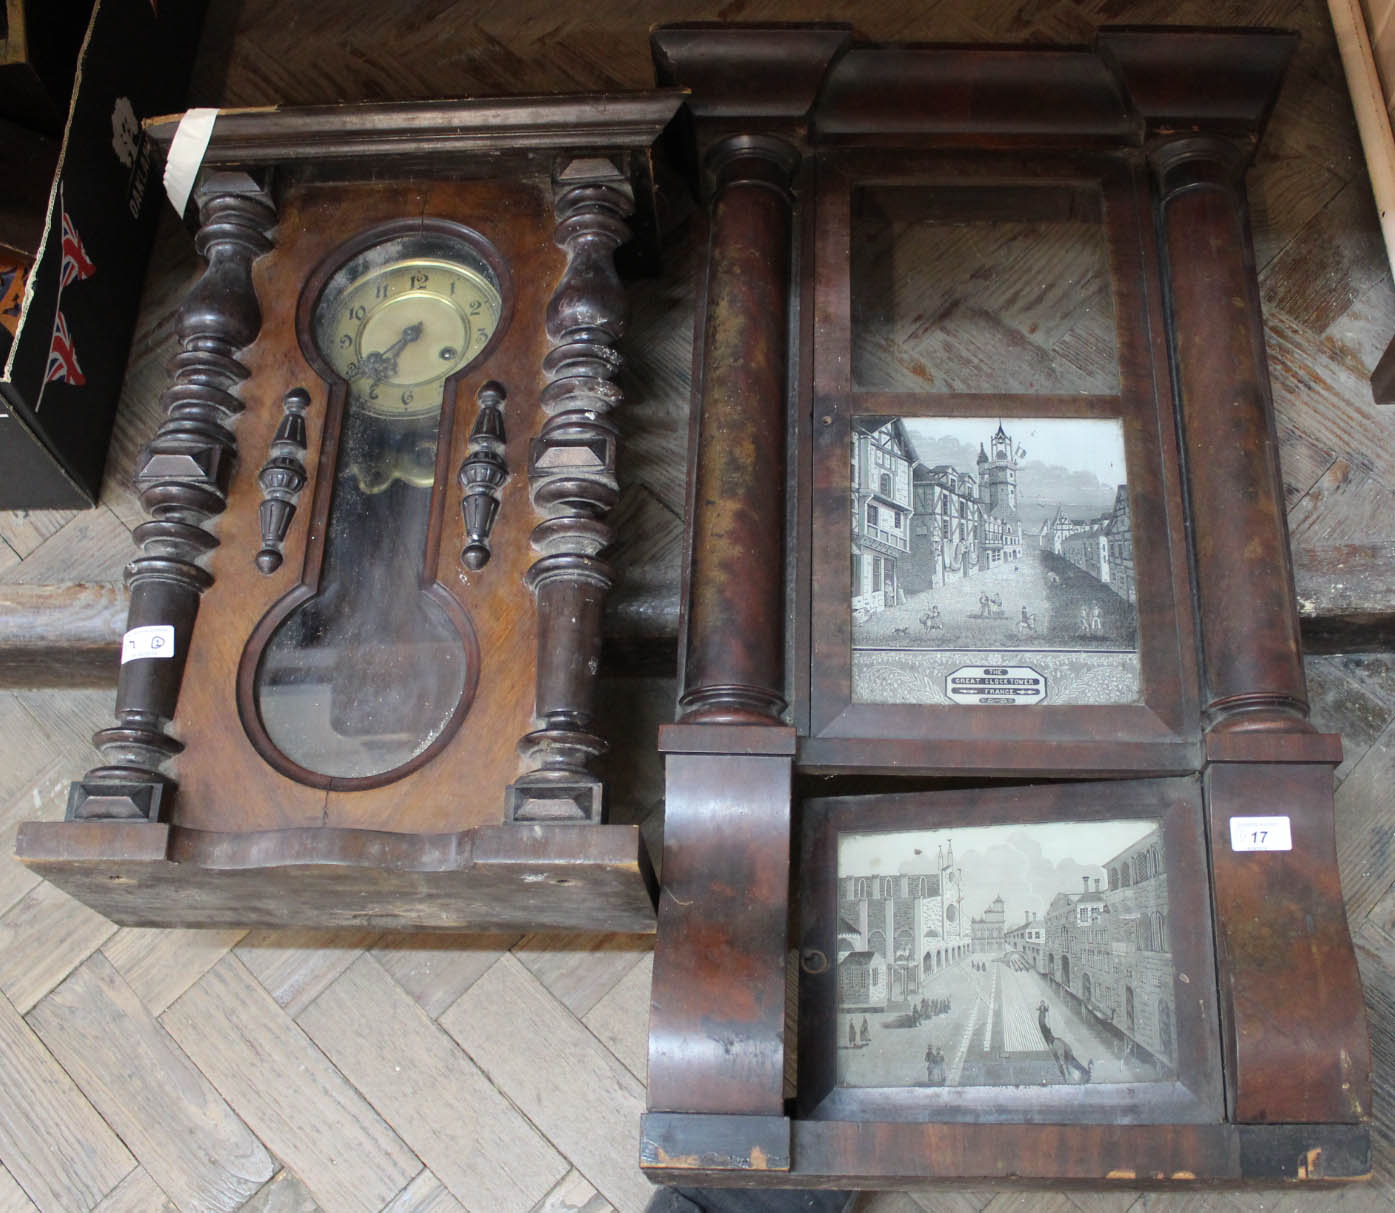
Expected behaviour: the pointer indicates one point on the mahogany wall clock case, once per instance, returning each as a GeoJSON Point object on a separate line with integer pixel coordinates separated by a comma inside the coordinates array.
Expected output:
{"type": "Point", "coordinates": [359, 675]}
{"type": "Point", "coordinates": [992, 713]}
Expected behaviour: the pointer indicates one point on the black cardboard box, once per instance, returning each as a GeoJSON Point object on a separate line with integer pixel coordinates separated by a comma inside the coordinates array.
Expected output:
{"type": "Point", "coordinates": [63, 370]}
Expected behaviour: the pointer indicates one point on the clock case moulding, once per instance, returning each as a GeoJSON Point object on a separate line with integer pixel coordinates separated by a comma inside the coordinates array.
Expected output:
{"type": "Point", "coordinates": [196, 817]}
{"type": "Point", "coordinates": [780, 760]}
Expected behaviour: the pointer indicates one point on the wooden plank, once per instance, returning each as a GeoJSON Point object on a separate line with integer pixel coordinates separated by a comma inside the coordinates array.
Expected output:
{"type": "Point", "coordinates": [620, 1019]}
{"type": "Point", "coordinates": [52, 1140]}
{"type": "Point", "coordinates": [61, 635]}
{"type": "Point", "coordinates": [1339, 704]}
{"type": "Point", "coordinates": [437, 969]}
{"type": "Point", "coordinates": [582, 1099]}
{"type": "Point", "coordinates": [425, 1194]}
{"type": "Point", "coordinates": [573, 1195]}
{"type": "Point", "coordinates": [1355, 583]}
{"type": "Point", "coordinates": [93, 546]}
{"type": "Point", "coordinates": [12, 1197]}
{"type": "Point", "coordinates": [1362, 813]}
{"type": "Point", "coordinates": [295, 966]}
{"type": "Point", "coordinates": [168, 1114]}
{"type": "Point", "coordinates": [287, 1092]}
{"type": "Point", "coordinates": [42, 937]}
{"type": "Point", "coordinates": [579, 970]}
{"type": "Point", "coordinates": [137, 1193]}
{"type": "Point", "coordinates": [468, 1135]}
{"type": "Point", "coordinates": [284, 1194]}
{"type": "Point", "coordinates": [159, 964]}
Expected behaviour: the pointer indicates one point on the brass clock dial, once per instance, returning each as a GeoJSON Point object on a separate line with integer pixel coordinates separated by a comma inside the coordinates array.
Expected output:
{"type": "Point", "coordinates": [397, 326]}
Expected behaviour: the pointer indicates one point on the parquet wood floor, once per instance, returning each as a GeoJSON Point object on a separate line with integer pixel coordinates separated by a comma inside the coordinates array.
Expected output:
{"type": "Point", "coordinates": [287, 1072]}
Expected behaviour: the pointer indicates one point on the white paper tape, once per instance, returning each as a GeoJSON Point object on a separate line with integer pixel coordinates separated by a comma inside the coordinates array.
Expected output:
{"type": "Point", "coordinates": [186, 155]}
{"type": "Point", "coordinates": [1261, 834]}
{"type": "Point", "coordinates": [153, 640]}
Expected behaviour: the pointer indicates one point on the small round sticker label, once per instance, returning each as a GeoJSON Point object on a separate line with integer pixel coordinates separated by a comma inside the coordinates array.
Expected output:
{"type": "Point", "coordinates": [153, 640]}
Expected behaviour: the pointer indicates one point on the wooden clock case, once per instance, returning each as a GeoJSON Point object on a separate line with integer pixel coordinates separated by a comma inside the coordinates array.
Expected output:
{"type": "Point", "coordinates": [197, 817]}
{"type": "Point", "coordinates": [790, 747]}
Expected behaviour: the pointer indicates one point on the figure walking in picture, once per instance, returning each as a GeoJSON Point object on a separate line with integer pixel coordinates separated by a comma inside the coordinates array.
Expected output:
{"type": "Point", "coordinates": [1066, 1061]}
{"type": "Point", "coordinates": [865, 1035]}
{"type": "Point", "coordinates": [852, 1035]}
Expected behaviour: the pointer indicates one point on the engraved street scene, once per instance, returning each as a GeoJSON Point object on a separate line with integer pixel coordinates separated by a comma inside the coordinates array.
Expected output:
{"type": "Point", "coordinates": [1005, 956]}
{"type": "Point", "coordinates": [971, 549]}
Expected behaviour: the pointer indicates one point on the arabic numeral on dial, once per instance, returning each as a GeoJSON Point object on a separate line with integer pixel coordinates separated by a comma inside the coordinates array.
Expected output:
{"type": "Point", "coordinates": [345, 341]}
{"type": "Point", "coordinates": [474, 308]}
{"type": "Point", "coordinates": [420, 278]}
{"type": "Point", "coordinates": [357, 313]}
{"type": "Point", "coordinates": [407, 396]}
{"type": "Point", "coordinates": [382, 290]}
{"type": "Point", "coordinates": [483, 335]}
{"type": "Point", "coordinates": [373, 392]}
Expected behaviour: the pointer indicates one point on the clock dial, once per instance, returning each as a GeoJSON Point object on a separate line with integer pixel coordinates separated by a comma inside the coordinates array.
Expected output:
{"type": "Point", "coordinates": [399, 330]}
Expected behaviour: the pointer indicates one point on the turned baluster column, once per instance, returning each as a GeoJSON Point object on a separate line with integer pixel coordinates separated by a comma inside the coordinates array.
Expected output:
{"type": "Point", "coordinates": [1252, 659]}
{"type": "Point", "coordinates": [733, 669]}
{"type": "Point", "coordinates": [183, 479]}
{"type": "Point", "coordinates": [571, 467]}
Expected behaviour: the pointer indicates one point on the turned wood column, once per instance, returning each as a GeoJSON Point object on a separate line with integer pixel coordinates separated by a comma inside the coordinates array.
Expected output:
{"type": "Point", "coordinates": [571, 469]}
{"type": "Point", "coordinates": [1251, 650]}
{"type": "Point", "coordinates": [733, 667]}
{"type": "Point", "coordinates": [183, 477]}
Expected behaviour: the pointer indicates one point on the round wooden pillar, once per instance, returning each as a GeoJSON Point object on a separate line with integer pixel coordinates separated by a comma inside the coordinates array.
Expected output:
{"type": "Point", "coordinates": [1251, 654]}
{"type": "Point", "coordinates": [734, 649]}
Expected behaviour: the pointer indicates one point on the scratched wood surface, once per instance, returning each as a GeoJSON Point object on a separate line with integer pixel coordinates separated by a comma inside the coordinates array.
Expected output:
{"type": "Point", "coordinates": [148, 1070]}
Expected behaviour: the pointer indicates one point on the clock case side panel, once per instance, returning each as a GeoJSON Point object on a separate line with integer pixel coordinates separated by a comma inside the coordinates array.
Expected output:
{"type": "Point", "coordinates": [1159, 734]}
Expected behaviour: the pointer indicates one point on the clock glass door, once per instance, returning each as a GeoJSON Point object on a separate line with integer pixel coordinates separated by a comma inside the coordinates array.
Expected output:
{"type": "Point", "coordinates": [369, 663]}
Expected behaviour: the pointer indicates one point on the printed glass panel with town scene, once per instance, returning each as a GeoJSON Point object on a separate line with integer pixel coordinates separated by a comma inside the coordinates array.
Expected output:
{"type": "Point", "coordinates": [1016, 955]}
{"type": "Point", "coordinates": [992, 562]}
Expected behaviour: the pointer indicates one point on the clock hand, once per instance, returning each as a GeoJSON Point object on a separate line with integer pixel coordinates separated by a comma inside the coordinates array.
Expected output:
{"type": "Point", "coordinates": [382, 364]}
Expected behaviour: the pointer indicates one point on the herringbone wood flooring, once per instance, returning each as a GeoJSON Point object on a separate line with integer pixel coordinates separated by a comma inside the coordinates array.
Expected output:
{"type": "Point", "coordinates": [147, 1070]}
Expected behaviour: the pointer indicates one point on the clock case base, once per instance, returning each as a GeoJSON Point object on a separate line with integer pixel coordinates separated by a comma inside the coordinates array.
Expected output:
{"type": "Point", "coordinates": [494, 878]}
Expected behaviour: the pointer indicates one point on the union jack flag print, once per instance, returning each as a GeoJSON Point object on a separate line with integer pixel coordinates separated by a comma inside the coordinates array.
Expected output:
{"type": "Point", "coordinates": [62, 361]}
{"type": "Point", "coordinates": [76, 263]}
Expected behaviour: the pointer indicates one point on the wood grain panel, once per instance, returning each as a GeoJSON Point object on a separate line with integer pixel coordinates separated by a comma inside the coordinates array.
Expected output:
{"type": "Point", "coordinates": [160, 964]}
{"type": "Point", "coordinates": [469, 1136]}
{"type": "Point", "coordinates": [437, 969]}
{"type": "Point", "coordinates": [12, 1197]}
{"type": "Point", "coordinates": [620, 1020]}
{"type": "Point", "coordinates": [168, 1114]}
{"type": "Point", "coordinates": [52, 1140]}
{"type": "Point", "coordinates": [295, 966]}
{"type": "Point", "coordinates": [574, 1091]}
{"type": "Point", "coordinates": [287, 1092]}
{"type": "Point", "coordinates": [137, 1193]}
{"type": "Point", "coordinates": [425, 1194]}
{"type": "Point", "coordinates": [42, 937]}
